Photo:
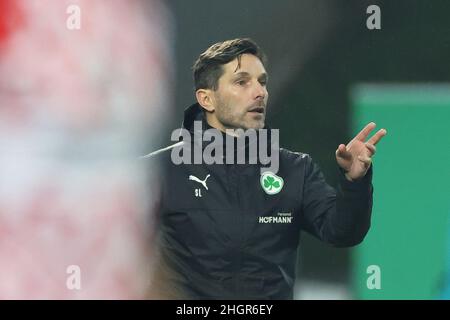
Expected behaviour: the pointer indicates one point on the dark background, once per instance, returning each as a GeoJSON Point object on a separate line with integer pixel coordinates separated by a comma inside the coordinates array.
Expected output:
{"type": "Point", "coordinates": [317, 50]}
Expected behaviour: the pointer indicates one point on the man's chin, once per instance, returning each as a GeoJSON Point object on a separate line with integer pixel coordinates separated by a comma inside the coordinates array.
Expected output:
{"type": "Point", "coordinates": [255, 122]}
{"type": "Point", "coordinates": [246, 125]}
{"type": "Point", "coordinates": [254, 126]}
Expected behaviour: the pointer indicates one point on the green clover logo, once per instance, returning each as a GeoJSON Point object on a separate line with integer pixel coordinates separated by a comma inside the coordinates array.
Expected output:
{"type": "Point", "coordinates": [271, 183]}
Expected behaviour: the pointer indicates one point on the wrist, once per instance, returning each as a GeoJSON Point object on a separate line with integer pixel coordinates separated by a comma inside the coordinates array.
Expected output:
{"type": "Point", "coordinates": [347, 176]}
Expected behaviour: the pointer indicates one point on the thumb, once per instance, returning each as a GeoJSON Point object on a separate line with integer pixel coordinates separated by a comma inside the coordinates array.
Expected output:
{"type": "Point", "coordinates": [342, 152]}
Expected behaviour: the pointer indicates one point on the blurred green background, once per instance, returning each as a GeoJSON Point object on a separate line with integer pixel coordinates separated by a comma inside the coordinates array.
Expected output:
{"type": "Point", "coordinates": [412, 198]}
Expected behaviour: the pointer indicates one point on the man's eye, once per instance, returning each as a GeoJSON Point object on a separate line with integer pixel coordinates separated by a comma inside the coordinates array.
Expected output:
{"type": "Point", "coordinates": [263, 83]}
{"type": "Point", "coordinates": [241, 82]}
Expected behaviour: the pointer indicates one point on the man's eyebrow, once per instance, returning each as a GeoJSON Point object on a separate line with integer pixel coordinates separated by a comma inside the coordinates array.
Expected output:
{"type": "Point", "coordinates": [246, 74]}
{"type": "Point", "coordinates": [241, 74]}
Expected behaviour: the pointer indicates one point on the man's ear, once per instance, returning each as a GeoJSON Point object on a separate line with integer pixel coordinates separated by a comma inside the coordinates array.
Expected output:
{"type": "Point", "coordinates": [205, 99]}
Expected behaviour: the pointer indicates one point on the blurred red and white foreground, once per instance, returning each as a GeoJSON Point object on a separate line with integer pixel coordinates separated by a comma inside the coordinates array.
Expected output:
{"type": "Point", "coordinates": [77, 107]}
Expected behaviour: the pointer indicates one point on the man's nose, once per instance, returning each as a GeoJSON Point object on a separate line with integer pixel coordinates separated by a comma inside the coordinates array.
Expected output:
{"type": "Point", "coordinates": [260, 90]}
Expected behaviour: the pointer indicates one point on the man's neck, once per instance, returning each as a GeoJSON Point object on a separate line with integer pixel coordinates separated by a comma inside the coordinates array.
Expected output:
{"type": "Point", "coordinates": [214, 123]}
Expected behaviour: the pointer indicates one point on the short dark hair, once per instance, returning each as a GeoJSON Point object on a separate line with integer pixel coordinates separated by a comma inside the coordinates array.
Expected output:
{"type": "Point", "coordinates": [208, 67]}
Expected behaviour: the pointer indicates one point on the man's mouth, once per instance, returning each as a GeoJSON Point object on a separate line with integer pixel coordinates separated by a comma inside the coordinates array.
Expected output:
{"type": "Point", "coordinates": [256, 109]}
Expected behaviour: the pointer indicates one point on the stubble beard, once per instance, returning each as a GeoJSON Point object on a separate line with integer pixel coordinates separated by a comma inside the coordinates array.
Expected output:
{"type": "Point", "coordinates": [235, 121]}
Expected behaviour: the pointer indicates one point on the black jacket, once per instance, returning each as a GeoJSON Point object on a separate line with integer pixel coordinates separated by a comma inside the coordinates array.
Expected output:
{"type": "Point", "coordinates": [238, 242]}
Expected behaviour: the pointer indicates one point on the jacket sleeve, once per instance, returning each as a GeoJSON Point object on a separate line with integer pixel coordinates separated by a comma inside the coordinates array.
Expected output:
{"type": "Point", "coordinates": [340, 217]}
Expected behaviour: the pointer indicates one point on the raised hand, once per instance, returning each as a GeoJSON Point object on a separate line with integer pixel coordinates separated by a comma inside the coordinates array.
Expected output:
{"type": "Point", "coordinates": [355, 158]}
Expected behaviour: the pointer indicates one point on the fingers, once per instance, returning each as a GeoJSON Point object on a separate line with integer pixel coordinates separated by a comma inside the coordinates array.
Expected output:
{"type": "Point", "coordinates": [364, 133]}
{"type": "Point", "coordinates": [371, 148]}
{"type": "Point", "coordinates": [342, 152]}
{"type": "Point", "coordinates": [366, 160]}
{"type": "Point", "coordinates": [377, 136]}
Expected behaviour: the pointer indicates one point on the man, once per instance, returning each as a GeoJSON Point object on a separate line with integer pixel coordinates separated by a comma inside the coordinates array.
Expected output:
{"type": "Point", "coordinates": [231, 230]}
